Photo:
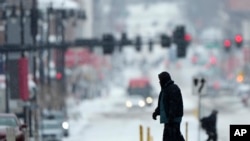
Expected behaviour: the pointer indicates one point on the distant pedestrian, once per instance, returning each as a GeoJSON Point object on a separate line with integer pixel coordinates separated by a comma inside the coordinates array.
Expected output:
{"type": "Point", "coordinates": [170, 108]}
{"type": "Point", "coordinates": [209, 125]}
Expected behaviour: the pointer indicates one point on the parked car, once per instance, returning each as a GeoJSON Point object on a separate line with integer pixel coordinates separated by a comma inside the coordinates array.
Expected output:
{"type": "Point", "coordinates": [10, 120]}
{"type": "Point", "coordinates": [51, 130]}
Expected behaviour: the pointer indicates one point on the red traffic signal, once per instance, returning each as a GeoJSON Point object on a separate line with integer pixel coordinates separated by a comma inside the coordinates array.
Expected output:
{"type": "Point", "coordinates": [238, 40]}
{"type": "Point", "coordinates": [187, 37]}
{"type": "Point", "coordinates": [227, 43]}
{"type": "Point", "coordinates": [58, 76]}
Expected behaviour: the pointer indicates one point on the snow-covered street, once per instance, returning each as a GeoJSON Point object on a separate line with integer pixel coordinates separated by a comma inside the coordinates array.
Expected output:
{"type": "Point", "coordinates": [99, 70]}
{"type": "Point", "coordinates": [107, 118]}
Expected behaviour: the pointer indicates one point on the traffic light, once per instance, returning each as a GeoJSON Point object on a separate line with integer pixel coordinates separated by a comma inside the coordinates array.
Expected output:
{"type": "Point", "coordinates": [181, 39]}
{"type": "Point", "coordinates": [60, 68]}
{"type": "Point", "coordinates": [179, 34]}
{"type": "Point", "coordinates": [124, 38]}
{"type": "Point", "coordinates": [123, 41]}
{"type": "Point", "coordinates": [150, 45]}
{"type": "Point", "coordinates": [238, 39]}
{"type": "Point", "coordinates": [108, 42]}
{"type": "Point", "coordinates": [188, 38]}
{"type": "Point", "coordinates": [227, 44]}
{"type": "Point", "coordinates": [165, 40]}
{"type": "Point", "coordinates": [58, 76]}
{"type": "Point", "coordinates": [138, 43]}
{"type": "Point", "coordinates": [181, 49]}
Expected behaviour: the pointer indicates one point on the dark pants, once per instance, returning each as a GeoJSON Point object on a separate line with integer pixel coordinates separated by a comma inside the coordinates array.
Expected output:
{"type": "Point", "coordinates": [172, 132]}
{"type": "Point", "coordinates": [212, 136]}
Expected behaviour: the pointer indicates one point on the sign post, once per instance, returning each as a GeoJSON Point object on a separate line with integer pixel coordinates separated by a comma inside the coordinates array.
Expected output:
{"type": "Point", "coordinates": [199, 88]}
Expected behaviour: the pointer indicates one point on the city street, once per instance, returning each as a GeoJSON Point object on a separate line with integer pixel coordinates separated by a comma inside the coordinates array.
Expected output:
{"type": "Point", "coordinates": [93, 70]}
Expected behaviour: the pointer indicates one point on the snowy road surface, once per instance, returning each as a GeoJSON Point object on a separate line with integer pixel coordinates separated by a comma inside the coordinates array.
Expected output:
{"type": "Point", "coordinates": [107, 119]}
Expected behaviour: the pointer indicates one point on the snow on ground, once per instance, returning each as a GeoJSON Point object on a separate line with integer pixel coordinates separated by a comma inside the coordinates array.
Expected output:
{"type": "Point", "coordinates": [107, 119]}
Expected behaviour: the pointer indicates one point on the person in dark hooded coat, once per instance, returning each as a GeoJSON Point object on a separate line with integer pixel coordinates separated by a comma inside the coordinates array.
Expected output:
{"type": "Point", "coordinates": [209, 125]}
{"type": "Point", "coordinates": [170, 108]}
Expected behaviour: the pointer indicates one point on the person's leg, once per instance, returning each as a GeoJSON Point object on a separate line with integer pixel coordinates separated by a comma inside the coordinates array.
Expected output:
{"type": "Point", "coordinates": [178, 133]}
{"type": "Point", "coordinates": [165, 132]}
{"type": "Point", "coordinates": [214, 136]}
{"type": "Point", "coordinates": [172, 133]}
{"type": "Point", "coordinates": [208, 136]}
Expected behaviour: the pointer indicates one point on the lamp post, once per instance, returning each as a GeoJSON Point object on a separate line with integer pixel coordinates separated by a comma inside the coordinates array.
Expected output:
{"type": "Point", "coordinates": [34, 16]}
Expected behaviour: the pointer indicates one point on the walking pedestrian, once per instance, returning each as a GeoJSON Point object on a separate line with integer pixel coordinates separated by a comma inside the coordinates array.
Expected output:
{"type": "Point", "coordinates": [170, 108]}
{"type": "Point", "coordinates": [209, 125]}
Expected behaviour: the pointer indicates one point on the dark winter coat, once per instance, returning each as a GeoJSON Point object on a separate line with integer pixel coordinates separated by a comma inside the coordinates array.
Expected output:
{"type": "Point", "coordinates": [209, 123]}
{"type": "Point", "coordinates": [170, 103]}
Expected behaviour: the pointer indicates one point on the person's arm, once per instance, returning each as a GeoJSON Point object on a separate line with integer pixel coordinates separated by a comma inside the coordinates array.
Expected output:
{"type": "Point", "coordinates": [157, 109]}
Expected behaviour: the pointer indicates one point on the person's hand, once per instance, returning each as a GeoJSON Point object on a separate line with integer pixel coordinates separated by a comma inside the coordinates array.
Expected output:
{"type": "Point", "coordinates": [154, 115]}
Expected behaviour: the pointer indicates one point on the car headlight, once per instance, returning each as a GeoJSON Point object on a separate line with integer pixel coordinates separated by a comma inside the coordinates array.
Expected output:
{"type": "Point", "coordinates": [65, 125]}
{"type": "Point", "coordinates": [129, 104]}
{"type": "Point", "coordinates": [141, 103]}
{"type": "Point", "coordinates": [149, 100]}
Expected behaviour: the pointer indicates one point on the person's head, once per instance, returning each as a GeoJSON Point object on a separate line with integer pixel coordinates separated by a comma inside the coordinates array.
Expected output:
{"type": "Point", "coordinates": [164, 77]}
{"type": "Point", "coordinates": [214, 112]}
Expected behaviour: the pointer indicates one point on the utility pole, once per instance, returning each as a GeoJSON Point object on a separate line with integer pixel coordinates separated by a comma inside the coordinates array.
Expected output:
{"type": "Point", "coordinates": [7, 108]}
{"type": "Point", "coordinates": [34, 30]}
{"type": "Point", "coordinates": [60, 61]}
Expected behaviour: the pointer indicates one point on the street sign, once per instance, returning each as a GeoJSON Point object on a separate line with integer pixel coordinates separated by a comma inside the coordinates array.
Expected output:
{"type": "Point", "coordinates": [199, 86]}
